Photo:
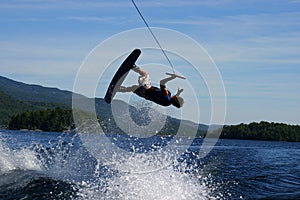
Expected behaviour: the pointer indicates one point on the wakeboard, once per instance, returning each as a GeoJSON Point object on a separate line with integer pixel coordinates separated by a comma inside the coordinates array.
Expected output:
{"type": "Point", "coordinates": [121, 74]}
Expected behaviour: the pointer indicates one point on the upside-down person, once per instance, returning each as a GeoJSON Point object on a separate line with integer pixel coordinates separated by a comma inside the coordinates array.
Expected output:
{"type": "Point", "coordinates": [161, 96]}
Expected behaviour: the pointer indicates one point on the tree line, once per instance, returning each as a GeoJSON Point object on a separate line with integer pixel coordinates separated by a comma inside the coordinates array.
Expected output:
{"type": "Point", "coordinates": [60, 120]}
{"type": "Point", "coordinates": [262, 131]}
{"type": "Point", "coordinates": [55, 120]}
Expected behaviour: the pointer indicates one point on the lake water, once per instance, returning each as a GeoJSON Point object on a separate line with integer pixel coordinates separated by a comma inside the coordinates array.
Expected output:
{"type": "Point", "coordinates": [41, 165]}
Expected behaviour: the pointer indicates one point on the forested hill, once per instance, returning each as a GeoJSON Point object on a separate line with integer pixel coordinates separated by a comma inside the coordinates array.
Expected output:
{"type": "Point", "coordinates": [262, 131]}
{"type": "Point", "coordinates": [17, 97]}
{"type": "Point", "coordinates": [34, 93]}
{"type": "Point", "coordinates": [57, 120]}
{"type": "Point", "coordinates": [10, 106]}
{"type": "Point", "coordinates": [22, 103]}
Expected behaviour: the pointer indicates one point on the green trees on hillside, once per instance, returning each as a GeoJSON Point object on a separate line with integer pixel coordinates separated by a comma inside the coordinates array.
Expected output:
{"type": "Point", "coordinates": [60, 120]}
{"type": "Point", "coordinates": [10, 106]}
{"type": "Point", "coordinates": [262, 131]}
{"type": "Point", "coordinates": [46, 120]}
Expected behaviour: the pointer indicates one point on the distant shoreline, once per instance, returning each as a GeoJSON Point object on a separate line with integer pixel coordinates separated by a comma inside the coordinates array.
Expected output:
{"type": "Point", "coordinates": [59, 120]}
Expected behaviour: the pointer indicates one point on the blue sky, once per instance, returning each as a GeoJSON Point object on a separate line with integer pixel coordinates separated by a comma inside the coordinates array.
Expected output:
{"type": "Point", "coordinates": [255, 44]}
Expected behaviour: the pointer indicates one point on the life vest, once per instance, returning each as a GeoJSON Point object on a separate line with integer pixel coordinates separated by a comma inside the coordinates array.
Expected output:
{"type": "Point", "coordinates": [155, 94]}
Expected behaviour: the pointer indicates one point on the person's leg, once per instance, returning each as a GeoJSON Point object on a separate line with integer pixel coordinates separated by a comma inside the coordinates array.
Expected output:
{"type": "Point", "coordinates": [144, 79]}
{"type": "Point", "coordinates": [128, 89]}
{"type": "Point", "coordinates": [139, 70]}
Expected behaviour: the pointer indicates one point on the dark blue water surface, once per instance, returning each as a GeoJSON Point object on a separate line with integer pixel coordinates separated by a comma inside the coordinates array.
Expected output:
{"type": "Point", "coordinates": [43, 165]}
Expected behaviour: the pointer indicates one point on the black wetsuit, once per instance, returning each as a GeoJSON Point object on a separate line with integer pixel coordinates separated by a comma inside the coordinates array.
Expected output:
{"type": "Point", "coordinates": [155, 94]}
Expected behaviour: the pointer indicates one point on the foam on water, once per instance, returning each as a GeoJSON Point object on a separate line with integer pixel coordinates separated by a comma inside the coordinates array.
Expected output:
{"type": "Point", "coordinates": [24, 159]}
{"type": "Point", "coordinates": [165, 183]}
{"type": "Point", "coordinates": [146, 178]}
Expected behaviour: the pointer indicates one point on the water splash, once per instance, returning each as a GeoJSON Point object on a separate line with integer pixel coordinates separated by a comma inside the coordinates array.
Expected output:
{"type": "Point", "coordinates": [81, 176]}
{"type": "Point", "coordinates": [166, 183]}
{"type": "Point", "coordinates": [23, 159]}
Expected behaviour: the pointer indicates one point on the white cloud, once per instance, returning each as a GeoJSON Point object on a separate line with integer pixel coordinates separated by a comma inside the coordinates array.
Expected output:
{"type": "Point", "coordinates": [263, 38]}
{"type": "Point", "coordinates": [91, 18]}
{"type": "Point", "coordinates": [81, 4]}
{"type": "Point", "coordinates": [269, 50]}
{"type": "Point", "coordinates": [180, 3]}
{"type": "Point", "coordinates": [60, 4]}
{"type": "Point", "coordinates": [38, 59]}
{"type": "Point", "coordinates": [251, 22]}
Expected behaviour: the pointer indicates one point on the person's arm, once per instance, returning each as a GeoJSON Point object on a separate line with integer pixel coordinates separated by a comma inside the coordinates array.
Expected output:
{"type": "Point", "coordinates": [163, 84]}
{"type": "Point", "coordinates": [164, 81]}
{"type": "Point", "coordinates": [179, 91]}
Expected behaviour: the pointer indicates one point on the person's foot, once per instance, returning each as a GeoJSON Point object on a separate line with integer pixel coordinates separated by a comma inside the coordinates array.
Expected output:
{"type": "Point", "coordinates": [135, 68]}
{"type": "Point", "coordinates": [122, 89]}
